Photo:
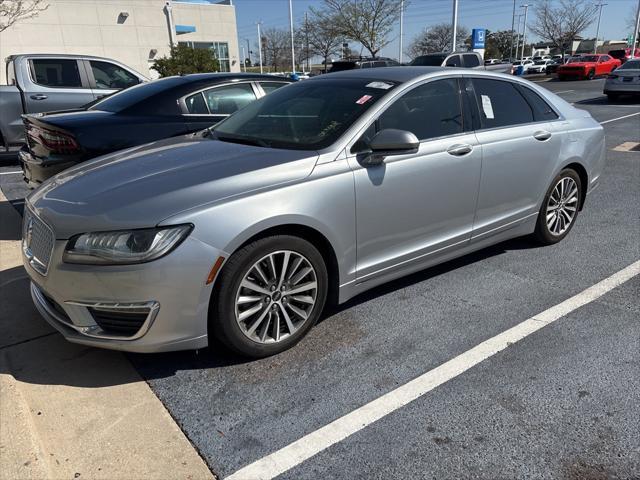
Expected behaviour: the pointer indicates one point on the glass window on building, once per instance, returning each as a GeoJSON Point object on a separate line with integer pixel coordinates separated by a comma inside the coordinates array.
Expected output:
{"type": "Point", "coordinates": [220, 50]}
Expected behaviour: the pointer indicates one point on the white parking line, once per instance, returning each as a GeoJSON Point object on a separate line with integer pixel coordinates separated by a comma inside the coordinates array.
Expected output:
{"type": "Point", "coordinates": [10, 173]}
{"type": "Point", "coordinates": [620, 118]}
{"type": "Point", "coordinates": [297, 452]}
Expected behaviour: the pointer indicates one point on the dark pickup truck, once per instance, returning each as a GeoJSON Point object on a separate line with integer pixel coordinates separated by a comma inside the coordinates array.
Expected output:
{"type": "Point", "coordinates": [46, 83]}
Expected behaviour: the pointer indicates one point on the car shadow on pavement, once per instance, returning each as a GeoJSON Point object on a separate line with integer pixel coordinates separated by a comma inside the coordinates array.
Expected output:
{"type": "Point", "coordinates": [163, 365]}
{"type": "Point", "coordinates": [604, 100]}
{"type": "Point", "coordinates": [10, 228]}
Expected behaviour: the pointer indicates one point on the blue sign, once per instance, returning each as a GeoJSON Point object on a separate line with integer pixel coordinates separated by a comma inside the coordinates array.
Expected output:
{"type": "Point", "coordinates": [181, 29]}
{"type": "Point", "coordinates": [477, 37]}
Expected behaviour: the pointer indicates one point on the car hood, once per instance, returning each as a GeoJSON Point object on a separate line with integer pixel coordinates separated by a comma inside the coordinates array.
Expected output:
{"type": "Point", "coordinates": [579, 64]}
{"type": "Point", "coordinates": [144, 185]}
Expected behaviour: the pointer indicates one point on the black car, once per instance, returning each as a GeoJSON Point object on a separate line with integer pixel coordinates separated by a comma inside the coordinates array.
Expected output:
{"type": "Point", "coordinates": [140, 114]}
{"type": "Point", "coordinates": [362, 62]}
{"type": "Point", "coordinates": [553, 66]}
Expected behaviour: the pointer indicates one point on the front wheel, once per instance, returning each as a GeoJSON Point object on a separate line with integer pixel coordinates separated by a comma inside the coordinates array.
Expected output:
{"type": "Point", "coordinates": [560, 208]}
{"type": "Point", "coordinates": [269, 295]}
{"type": "Point", "coordinates": [613, 97]}
{"type": "Point", "coordinates": [591, 75]}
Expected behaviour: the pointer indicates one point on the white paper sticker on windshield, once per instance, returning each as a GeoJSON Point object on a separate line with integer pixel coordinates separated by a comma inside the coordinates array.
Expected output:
{"type": "Point", "coordinates": [382, 85]}
{"type": "Point", "coordinates": [487, 107]}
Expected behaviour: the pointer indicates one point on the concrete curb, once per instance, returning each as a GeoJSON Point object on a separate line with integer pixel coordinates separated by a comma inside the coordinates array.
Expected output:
{"type": "Point", "coordinates": [68, 411]}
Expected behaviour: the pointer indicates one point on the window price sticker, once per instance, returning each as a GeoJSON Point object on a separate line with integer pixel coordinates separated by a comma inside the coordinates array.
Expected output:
{"type": "Point", "coordinates": [487, 107]}
{"type": "Point", "coordinates": [381, 85]}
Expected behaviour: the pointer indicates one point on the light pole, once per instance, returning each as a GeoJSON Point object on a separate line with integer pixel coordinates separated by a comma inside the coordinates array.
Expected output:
{"type": "Point", "coordinates": [513, 21]}
{"type": "Point", "coordinates": [635, 32]}
{"type": "Point", "coordinates": [293, 55]}
{"type": "Point", "coordinates": [524, 29]}
{"type": "Point", "coordinates": [595, 44]}
{"type": "Point", "coordinates": [518, 34]}
{"type": "Point", "coordinates": [248, 51]}
{"type": "Point", "coordinates": [454, 25]}
{"type": "Point", "coordinates": [259, 45]}
{"type": "Point", "coordinates": [401, 28]}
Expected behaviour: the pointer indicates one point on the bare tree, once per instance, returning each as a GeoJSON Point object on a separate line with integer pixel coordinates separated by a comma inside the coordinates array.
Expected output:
{"type": "Point", "coordinates": [436, 39]}
{"type": "Point", "coordinates": [12, 11]}
{"type": "Point", "coordinates": [276, 47]}
{"type": "Point", "coordinates": [324, 37]}
{"type": "Point", "coordinates": [369, 22]}
{"type": "Point", "coordinates": [559, 23]}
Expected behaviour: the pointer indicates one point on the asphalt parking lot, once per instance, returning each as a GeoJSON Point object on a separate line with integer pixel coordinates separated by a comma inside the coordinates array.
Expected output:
{"type": "Point", "coordinates": [560, 403]}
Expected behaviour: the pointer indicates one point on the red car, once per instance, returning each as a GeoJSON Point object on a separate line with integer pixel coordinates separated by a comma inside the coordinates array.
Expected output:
{"type": "Point", "coordinates": [588, 66]}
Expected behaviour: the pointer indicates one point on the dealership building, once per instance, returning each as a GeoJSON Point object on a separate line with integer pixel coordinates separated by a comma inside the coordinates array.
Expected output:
{"type": "Point", "coordinates": [134, 32]}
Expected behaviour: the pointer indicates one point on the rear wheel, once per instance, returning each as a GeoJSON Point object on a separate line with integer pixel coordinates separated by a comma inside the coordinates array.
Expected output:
{"type": "Point", "coordinates": [270, 293]}
{"type": "Point", "coordinates": [560, 208]}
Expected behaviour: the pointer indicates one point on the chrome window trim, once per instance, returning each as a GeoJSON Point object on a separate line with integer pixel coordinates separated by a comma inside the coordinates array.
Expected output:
{"type": "Point", "coordinates": [183, 104]}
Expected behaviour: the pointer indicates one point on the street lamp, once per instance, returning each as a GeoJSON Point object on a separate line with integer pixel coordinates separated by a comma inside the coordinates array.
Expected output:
{"type": "Point", "coordinates": [595, 44]}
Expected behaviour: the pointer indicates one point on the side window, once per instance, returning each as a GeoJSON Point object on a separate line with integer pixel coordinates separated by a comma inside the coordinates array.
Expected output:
{"type": "Point", "coordinates": [470, 61]}
{"type": "Point", "coordinates": [541, 109]}
{"type": "Point", "coordinates": [380, 64]}
{"type": "Point", "coordinates": [269, 87]}
{"type": "Point", "coordinates": [453, 61]}
{"type": "Point", "coordinates": [56, 72]}
{"type": "Point", "coordinates": [196, 104]}
{"type": "Point", "coordinates": [365, 65]}
{"type": "Point", "coordinates": [429, 111]}
{"type": "Point", "coordinates": [500, 104]}
{"type": "Point", "coordinates": [226, 100]}
{"type": "Point", "coordinates": [109, 76]}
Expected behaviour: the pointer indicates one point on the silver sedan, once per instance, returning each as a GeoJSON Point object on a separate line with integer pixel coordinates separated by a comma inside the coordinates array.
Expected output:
{"type": "Point", "coordinates": [624, 80]}
{"type": "Point", "coordinates": [313, 194]}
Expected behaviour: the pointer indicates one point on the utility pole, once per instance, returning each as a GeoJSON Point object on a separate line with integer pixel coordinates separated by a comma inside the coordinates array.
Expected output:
{"type": "Point", "coordinates": [401, 30]}
{"type": "Point", "coordinates": [518, 35]}
{"type": "Point", "coordinates": [635, 32]}
{"type": "Point", "coordinates": [259, 45]}
{"type": "Point", "coordinates": [513, 21]}
{"type": "Point", "coordinates": [306, 40]}
{"type": "Point", "coordinates": [293, 55]}
{"type": "Point", "coordinates": [248, 51]}
{"type": "Point", "coordinates": [244, 60]}
{"type": "Point", "coordinates": [595, 44]}
{"type": "Point", "coordinates": [454, 25]}
{"type": "Point", "coordinates": [524, 29]}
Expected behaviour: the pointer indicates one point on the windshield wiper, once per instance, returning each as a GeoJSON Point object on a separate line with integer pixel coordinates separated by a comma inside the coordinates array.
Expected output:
{"type": "Point", "coordinates": [256, 142]}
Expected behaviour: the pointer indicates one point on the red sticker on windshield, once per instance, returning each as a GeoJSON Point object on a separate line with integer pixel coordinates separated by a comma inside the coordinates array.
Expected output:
{"type": "Point", "coordinates": [363, 99]}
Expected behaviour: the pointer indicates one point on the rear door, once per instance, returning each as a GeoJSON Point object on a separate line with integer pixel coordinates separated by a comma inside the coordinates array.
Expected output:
{"type": "Point", "coordinates": [520, 147]}
{"type": "Point", "coordinates": [56, 84]}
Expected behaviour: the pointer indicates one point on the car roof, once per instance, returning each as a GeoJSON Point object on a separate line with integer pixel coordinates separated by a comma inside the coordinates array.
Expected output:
{"type": "Point", "coordinates": [399, 74]}
{"type": "Point", "coordinates": [58, 55]}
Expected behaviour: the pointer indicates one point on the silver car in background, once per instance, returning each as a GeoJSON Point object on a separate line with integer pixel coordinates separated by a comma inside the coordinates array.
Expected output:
{"type": "Point", "coordinates": [624, 80]}
{"type": "Point", "coordinates": [313, 194]}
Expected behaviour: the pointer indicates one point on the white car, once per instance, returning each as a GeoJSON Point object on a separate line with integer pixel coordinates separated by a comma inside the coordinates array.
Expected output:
{"type": "Point", "coordinates": [525, 66]}
{"type": "Point", "coordinates": [539, 66]}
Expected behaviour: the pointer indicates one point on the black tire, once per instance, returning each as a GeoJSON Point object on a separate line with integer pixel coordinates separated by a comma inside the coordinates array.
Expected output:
{"type": "Point", "coordinates": [222, 317]}
{"type": "Point", "coordinates": [613, 96]}
{"type": "Point", "coordinates": [542, 233]}
{"type": "Point", "coordinates": [591, 75]}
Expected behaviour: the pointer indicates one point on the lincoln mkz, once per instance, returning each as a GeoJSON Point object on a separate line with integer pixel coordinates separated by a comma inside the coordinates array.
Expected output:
{"type": "Point", "coordinates": [315, 193]}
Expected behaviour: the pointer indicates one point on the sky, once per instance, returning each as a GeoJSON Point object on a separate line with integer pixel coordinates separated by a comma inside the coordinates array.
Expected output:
{"type": "Point", "coordinates": [491, 14]}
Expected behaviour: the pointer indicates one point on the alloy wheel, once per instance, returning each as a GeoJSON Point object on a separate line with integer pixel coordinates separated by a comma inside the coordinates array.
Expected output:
{"type": "Point", "coordinates": [562, 206]}
{"type": "Point", "coordinates": [276, 296]}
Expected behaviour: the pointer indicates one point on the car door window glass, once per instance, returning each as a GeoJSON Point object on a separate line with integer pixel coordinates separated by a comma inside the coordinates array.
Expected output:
{"type": "Point", "coordinates": [500, 104]}
{"type": "Point", "coordinates": [470, 61]}
{"type": "Point", "coordinates": [53, 72]}
{"type": "Point", "coordinates": [269, 87]}
{"type": "Point", "coordinates": [541, 109]}
{"type": "Point", "coordinates": [110, 76]}
{"type": "Point", "coordinates": [229, 98]}
{"type": "Point", "coordinates": [430, 110]}
{"type": "Point", "coordinates": [453, 61]}
{"type": "Point", "coordinates": [379, 64]}
{"type": "Point", "coordinates": [196, 104]}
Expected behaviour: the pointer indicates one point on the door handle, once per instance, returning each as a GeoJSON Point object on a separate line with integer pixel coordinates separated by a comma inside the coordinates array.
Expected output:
{"type": "Point", "coordinates": [542, 135]}
{"type": "Point", "coordinates": [459, 149]}
{"type": "Point", "coordinates": [39, 96]}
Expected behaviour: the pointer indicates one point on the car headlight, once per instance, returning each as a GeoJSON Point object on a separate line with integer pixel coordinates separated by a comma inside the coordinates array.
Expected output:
{"type": "Point", "coordinates": [125, 246]}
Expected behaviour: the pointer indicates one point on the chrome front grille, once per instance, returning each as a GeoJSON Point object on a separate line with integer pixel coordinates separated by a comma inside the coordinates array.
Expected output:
{"type": "Point", "coordinates": [37, 241]}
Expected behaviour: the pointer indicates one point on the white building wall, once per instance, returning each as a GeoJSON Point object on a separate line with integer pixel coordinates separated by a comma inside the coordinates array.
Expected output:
{"type": "Point", "coordinates": [95, 27]}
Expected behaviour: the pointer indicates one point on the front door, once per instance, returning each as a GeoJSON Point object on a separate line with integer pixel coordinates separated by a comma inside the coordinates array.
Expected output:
{"type": "Point", "coordinates": [414, 206]}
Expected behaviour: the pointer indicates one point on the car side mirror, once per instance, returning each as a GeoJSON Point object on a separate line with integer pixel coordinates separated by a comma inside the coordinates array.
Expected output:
{"type": "Point", "coordinates": [390, 142]}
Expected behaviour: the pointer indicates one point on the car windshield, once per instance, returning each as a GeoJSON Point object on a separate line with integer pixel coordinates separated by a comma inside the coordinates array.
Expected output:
{"type": "Point", "coordinates": [132, 96]}
{"type": "Point", "coordinates": [541, 62]}
{"type": "Point", "coordinates": [630, 65]}
{"type": "Point", "coordinates": [309, 115]}
{"type": "Point", "coordinates": [428, 61]}
{"type": "Point", "coordinates": [588, 58]}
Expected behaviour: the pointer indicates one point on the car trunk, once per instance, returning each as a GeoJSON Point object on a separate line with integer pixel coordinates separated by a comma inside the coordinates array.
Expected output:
{"type": "Point", "coordinates": [46, 140]}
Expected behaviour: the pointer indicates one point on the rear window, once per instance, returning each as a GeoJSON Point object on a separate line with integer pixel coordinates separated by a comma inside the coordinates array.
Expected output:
{"type": "Point", "coordinates": [56, 72]}
{"type": "Point", "coordinates": [138, 94]}
{"type": "Point", "coordinates": [11, 73]}
{"type": "Point", "coordinates": [630, 65]}
{"type": "Point", "coordinates": [428, 61]}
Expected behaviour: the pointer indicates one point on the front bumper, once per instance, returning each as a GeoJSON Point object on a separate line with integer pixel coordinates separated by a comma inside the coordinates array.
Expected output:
{"type": "Point", "coordinates": [36, 170]}
{"type": "Point", "coordinates": [173, 290]}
